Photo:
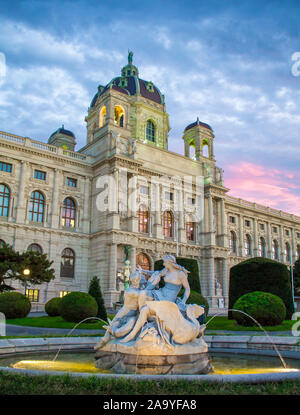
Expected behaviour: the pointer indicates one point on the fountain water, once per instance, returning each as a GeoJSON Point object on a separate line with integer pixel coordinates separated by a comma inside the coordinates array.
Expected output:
{"type": "Point", "coordinates": [261, 327]}
{"type": "Point", "coordinates": [71, 331]}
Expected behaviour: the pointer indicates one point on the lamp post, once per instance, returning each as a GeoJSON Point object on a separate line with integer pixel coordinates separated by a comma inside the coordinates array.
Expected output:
{"type": "Point", "coordinates": [26, 273]}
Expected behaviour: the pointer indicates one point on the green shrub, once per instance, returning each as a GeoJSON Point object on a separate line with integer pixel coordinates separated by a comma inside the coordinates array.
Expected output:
{"type": "Point", "coordinates": [189, 264]}
{"type": "Point", "coordinates": [52, 307]}
{"type": "Point", "coordinates": [14, 305]}
{"type": "Point", "coordinates": [95, 291]}
{"type": "Point", "coordinates": [268, 309]}
{"type": "Point", "coordinates": [77, 306]}
{"type": "Point", "coordinates": [261, 274]}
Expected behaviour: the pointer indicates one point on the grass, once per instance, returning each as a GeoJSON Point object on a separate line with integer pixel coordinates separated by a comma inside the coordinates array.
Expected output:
{"type": "Point", "coordinates": [53, 322]}
{"type": "Point", "coordinates": [12, 384]}
{"type": "Point", "coordinates": [222, 323]}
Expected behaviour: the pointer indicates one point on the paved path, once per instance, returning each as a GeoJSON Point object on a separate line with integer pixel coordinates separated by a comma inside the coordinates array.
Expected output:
{"type": "Point", "coordinates": [13, 330]}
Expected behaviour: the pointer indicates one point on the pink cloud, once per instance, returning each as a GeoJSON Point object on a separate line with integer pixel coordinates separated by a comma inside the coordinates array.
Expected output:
{"type": "Point", "coordinates": [278, 189]}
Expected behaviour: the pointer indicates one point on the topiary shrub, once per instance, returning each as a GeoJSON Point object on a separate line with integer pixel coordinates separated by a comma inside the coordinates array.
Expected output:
{"type": "Point", "coordinates": [14, 305]}
{"type": "Point", "coordinates": [261, 274]}
{"type": "Point", "coordinates": [77, 306]}
{"type": "Point", "coordinates": [95, 291]}
{"type": "Point", "coordinates": [189, 264]}
{"type": "Point", "coordinates": [52, 307]}
{"type": "Point", "coordinates": [268, 309]}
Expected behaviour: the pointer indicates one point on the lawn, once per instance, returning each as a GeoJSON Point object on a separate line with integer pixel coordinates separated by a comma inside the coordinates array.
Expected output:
{"type": "Point", "coordinates": [218, 323]}
{"type": "Point", "coordinates": [53, 322]}
{"type": "Point", "coordinates": [12, 384]}
{"type": "Point", "coordinates": [222, 323]}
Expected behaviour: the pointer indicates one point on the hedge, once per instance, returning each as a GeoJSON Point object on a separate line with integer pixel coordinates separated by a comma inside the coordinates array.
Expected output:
{"type": "Point", "coordinates": [261, 274]}
{"type": "Point", "coordinates": [268, 309]}
{"type": "Point", "coordinates": [77, 306]}
{"type": "Point", "coordinates": [14, 305]}
{"type": "Point", "coordinates": [52, 307]}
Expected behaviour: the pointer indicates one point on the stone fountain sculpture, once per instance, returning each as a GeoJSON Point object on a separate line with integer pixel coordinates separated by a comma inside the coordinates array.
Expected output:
{"type": "Point", "coordinates": [155, 332]}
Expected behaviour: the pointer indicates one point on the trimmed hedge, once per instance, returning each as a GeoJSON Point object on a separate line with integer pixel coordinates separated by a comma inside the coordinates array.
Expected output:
{"type": "Point", "coordinates": [77, 306]}
{"type": "Point", "coordinates": [14, 305]}
{"type": "Point", "coordinates": [189, 264]}
{"type": "Point", "coordinates": [197, 298]}
{"type": "Point", "coordinates": [268, 309]}
{"type": "Point", "coordinates": [261, 274]}
{"type": "Point", "coordinates": [95, 291]}
{"type": "Point", "coordinates": [52, 307]}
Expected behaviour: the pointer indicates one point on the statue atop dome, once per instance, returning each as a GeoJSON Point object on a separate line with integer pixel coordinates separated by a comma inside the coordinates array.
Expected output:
{"type": "Point", "coordinates": [130, 55]}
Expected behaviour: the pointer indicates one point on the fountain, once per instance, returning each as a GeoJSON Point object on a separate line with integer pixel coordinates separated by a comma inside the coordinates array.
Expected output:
{"type": "Point", "coordinates": [155, 332]}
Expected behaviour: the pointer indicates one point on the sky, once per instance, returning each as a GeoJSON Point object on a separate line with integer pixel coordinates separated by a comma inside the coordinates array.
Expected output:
{"type": "Point", "coordinates": [227, 62]}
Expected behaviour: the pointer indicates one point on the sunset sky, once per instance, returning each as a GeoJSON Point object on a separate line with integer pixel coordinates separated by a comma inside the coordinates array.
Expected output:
{"type": "Point", "coordinates": [227, 62]}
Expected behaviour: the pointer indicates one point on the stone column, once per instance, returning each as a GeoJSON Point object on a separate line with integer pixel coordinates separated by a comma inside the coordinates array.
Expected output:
{"type": "Point", "coordinates": [269, 248]}
{"type": "Point", "coordinates": [132, 258]}
{"type": "Point", "coordinates": [255, 242]}
{"type": "Point", "coordinates": [211, 237]}
{"type": "Point", "coordinates": [186, 149]}
{"type": "Point", "coordinates": [157, 208]}
{"type": "Point", "coordinates": [281, 245]}
{"type": "Point", "coordinates": [225, 281]}
{"type": "Point", "coordinates": [181, 234]}
{"type": "Point", "coordinates": [132, 210]}
{"type": "Point", "coordinates": [54, 216]}
{"type": "Point", "coordinates": [211, 275]}
{"type": "Point", "coordinates": [113, 215]}
{"type": "Point", "coordinates": [20, 210]}
{"type": "Point", "coordinates": [86, 207]}
{"type": "Point", "coordinates": [112, 267]}
{"type": "Point", "coordinates": [224, 238]}
{"type": "Point", "coordinates": [241, 234]}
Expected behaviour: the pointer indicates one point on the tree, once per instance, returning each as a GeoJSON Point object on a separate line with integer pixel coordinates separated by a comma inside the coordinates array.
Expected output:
{"type": "Point", "coordinates": [12, 264]}
{"type": "Point", "coordinates": [296, 274]}
{"type": "Point", "coordinates": [95, 291]}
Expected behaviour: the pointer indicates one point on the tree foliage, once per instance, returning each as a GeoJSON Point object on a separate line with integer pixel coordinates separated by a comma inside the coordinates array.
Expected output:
{"type": "Point", "coordinates": [12, 265]}
{"type": "Point", "coordinates": [296, 274]}
{"type": "Point", "coordinates": [95, 291]}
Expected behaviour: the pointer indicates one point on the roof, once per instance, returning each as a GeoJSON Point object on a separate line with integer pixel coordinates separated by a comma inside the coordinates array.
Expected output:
{"type": "Point", "coordinates": [202, 124]}
{"type": "Point", "coordinates": [62, 130]}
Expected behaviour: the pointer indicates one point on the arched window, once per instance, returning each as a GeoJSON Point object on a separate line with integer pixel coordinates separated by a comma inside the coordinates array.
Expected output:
{"type": "Point", "coordinates": [168, 224]}
{"type": "Point", "coordinates": [232, 242]}
{"type": "Point", "coordinates": [143, 261]}
{"type": "Point", "coordinates": [150, 131]}
{"type": "Point", "coordinates": [67, 263]}
{"type": "Point", "coordinates": [68, 213]}
{"type": "Point", "coordinates": [190, 229]}
{"type": "Point", "coordinates": [36, 207]}
{"type": "Point", "coordinates": [275, 250]}
{"type": "Point", "coordinates": [35, 248]}
{"type": "Point", "coordinates": [287, 252]}
{"type": "Point", "coordinates": [205, 148]}
{"type": "Point", "coordinates": [102, 116]}
{"type": "Point", "coordinates": [262, 247]}
{"type": "Point", "coordinates": [247, 245]}
{"type": "Point", "coordinates": [119, 116]}
{"type": "Point", "coordinates": [143, 220]}
{"type": "Point", "coordinates": [2, 243]}
{"type": "Point", "coordinates": [4, 200]}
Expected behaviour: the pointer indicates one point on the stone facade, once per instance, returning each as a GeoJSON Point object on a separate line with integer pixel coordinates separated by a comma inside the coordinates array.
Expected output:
{"type": "Point", "coordinates": [127, 139]}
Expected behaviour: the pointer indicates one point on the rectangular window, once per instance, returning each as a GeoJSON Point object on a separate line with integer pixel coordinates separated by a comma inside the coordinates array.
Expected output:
{"type": "Point", "coordinates": [298, 234]}
{"type": "Point", "coordinates": [231, 219]}
{"type": "Point", "coordinates": [287, 232]}
{"type": "Point", "coordinates": [5, 167]}
{"type": "Point", "coordinates": [40, 175]}
{"type": "Point", "coordinates": [169, 196]}
{"type": "Point", "coordinates": [262, 227]}
{"type": "Point", "coordinates": [33, 295]}
{"type": "Point", "coordinates": [63, 293]}
{"type": "Point", "coordinates": [191, 201]}
{"type": "Point", "coordinates": [247, 223]}
{"type": "Point", "coordinates": [71, 182]}
{"type": "Point", "coordinates": [274, 229]}
{"type": "Point", "coordinates": [144, 190]}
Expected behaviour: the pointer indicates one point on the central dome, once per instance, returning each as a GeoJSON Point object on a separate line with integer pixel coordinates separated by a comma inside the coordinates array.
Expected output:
{"type": "Point", "coordinates": [129, 83]}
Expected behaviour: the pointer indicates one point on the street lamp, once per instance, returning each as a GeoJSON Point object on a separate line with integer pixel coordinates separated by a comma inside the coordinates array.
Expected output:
{"type": "Point", "coordinates": [26, 273]}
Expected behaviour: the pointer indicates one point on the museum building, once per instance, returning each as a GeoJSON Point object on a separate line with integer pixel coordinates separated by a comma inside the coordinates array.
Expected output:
{"type": "Point", "coordinates": [51, 198]}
